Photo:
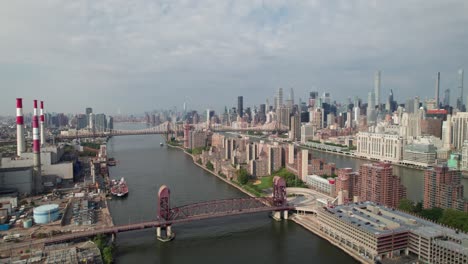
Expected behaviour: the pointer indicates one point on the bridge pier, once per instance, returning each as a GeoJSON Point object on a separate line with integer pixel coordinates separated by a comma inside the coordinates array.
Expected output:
{"type": "Point", "coordinates": [164, 234]}
{"type": "Point", "coordinates": [280, 215]}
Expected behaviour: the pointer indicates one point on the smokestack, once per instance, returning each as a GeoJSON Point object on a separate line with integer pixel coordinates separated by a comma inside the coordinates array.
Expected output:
{"type": "Point", "coordinates": [36, 150]}
{"type": "Point", "coordinates": [42, 120]}
{"type": "Point", "coordinates": [20, 142]}
{"type": "Point", "coordinates": [437, 90]}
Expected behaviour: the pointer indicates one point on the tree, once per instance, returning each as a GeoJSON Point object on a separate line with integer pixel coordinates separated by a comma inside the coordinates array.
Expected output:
{"type": "Point", "coordinates": [209, 165]}
{"type": "Point", "coordinates": [406, 205]}
{"type": "Point", "coordinates": [242, 176]}
{"type": "Point", "coordinates": [107, 255]}
{"type": "Point", "coordinates": [433, 214]}
{"type": "Point", "coordinates": [199, 161]}
{"type": "Point", "coordinates": [456, 219]}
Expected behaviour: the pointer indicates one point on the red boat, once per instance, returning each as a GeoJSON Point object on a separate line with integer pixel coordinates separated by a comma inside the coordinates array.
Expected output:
{"type": "Point", "coordinates": [120, 188]}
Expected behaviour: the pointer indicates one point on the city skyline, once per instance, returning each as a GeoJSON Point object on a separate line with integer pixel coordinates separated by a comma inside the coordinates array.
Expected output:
{"type": "Point", "coordinates": [148, 56]}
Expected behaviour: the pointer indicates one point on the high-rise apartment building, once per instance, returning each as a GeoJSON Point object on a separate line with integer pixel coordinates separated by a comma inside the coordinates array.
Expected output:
{"type": "Point", "coordinates": [371, 115]}
{"type": "Point", "coordinates": [279, 98]}
{"type": "Point", "coordinates": [443, 188]}
{"type": "Point", "coordinates": [460, 104]}
{"type": "Point", "coordinates": [377, 89]}
{"type": "Point", "coordinates": [378, 184]}
{"type": "Point", "coordinates": [348, 181]}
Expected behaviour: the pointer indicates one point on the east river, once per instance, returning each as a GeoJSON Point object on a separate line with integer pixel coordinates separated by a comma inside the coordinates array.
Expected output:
{"type": "Point", "coordinates": [240, 239]}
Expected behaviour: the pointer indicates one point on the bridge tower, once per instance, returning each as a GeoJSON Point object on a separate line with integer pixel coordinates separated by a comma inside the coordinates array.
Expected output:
{"type": "Point", "coordinates": [279, 197]}
{"type": "Point", "coordinates": [164, 214]}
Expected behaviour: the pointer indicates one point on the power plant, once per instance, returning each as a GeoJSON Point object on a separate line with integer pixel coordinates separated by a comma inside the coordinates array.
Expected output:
{"type": "Point", "coordinates": [20, 146]}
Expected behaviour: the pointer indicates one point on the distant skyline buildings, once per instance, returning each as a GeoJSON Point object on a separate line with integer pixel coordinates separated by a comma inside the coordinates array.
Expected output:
{"type": "Point", "coordinates": [314, 99]}
{"type": "Point", "coordinates": [377, 88]}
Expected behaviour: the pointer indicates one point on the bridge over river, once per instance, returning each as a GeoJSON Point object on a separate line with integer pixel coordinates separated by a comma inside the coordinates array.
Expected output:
{"type": "Point", "coordinates": [169, 128]}
{"type": "Point", "coordinates": [167, 216]}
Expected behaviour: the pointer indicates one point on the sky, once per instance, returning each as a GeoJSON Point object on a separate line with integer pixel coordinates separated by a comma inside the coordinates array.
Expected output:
{"type": "Point", "coordinates": [136, 56]}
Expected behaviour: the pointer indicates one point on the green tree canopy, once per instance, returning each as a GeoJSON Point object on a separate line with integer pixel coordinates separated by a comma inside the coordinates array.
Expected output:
{"type": "Point", "coordinates": [242, 176]}
{"type": "Point", "coordinates": [406, 205]}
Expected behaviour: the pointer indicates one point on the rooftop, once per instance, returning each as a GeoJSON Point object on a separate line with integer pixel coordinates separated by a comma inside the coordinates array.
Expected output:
{"type": "Point", "coordinates": [381, 220]}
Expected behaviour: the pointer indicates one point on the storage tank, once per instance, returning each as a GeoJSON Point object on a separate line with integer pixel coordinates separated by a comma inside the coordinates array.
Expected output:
{"type": "Point", "coordinates": [46, 213]}
{"type": "Point", "coordinates": [27, 223]}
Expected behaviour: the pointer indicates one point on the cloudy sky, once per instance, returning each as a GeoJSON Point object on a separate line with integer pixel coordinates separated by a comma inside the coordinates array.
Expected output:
{"type": "Point", "coordinates": [144, 55]}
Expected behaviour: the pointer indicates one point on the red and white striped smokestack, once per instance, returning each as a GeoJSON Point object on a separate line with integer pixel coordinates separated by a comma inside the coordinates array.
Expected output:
{"type": "Point", "coordinates": [20, 141]}
{"type": "Point", "coordinates": [41, 124]}
{"type": "Point", "coordinates": [36, 146]}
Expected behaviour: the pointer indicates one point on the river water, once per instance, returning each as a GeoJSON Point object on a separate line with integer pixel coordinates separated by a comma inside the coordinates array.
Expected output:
{"type": "Point", "coordinates": [238, 239]}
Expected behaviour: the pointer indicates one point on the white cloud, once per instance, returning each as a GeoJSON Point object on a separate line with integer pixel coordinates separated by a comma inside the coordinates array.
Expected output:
{"type": "Point", "coordinates": [145, 49]}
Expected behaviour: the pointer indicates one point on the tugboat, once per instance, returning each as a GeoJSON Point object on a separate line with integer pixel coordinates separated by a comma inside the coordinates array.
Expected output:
{"type": "Point", "coordinates": [119, 189]}
{"type": "Point", "coordinates": [111, 162]}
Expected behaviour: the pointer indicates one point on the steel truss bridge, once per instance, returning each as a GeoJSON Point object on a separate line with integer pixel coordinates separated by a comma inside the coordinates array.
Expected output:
{"type": "Point", "coordinates": [168, 216]}
{"type": "Point", "coordinates": [169, 128]}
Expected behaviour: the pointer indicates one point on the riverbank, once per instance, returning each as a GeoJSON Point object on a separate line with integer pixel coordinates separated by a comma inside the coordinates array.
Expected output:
{"type": "Point", "coordinates": [214, 173]}
{"type": "Point", "coordinates": [309, 225]}
{"type": "Point", "coordinates": [363, 158]}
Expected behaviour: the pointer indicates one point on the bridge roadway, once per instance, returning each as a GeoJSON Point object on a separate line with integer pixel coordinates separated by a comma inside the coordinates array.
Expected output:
{"type": "Point", "coordinates": [137, 226]}
{"type": "Point", "coordinates": [158, 132]}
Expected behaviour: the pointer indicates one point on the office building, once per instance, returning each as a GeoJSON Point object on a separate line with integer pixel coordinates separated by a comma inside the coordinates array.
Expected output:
{"type": "Point", "coordinates": [100, 122]}
{"type": "Point", "coordinates": [240, 106]}
{"type": "Point", "coordinates": [380, 146]}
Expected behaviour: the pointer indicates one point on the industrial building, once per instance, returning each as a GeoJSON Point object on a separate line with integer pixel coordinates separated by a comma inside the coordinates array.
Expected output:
{"type": "Point", "coordinates": [379, 232]}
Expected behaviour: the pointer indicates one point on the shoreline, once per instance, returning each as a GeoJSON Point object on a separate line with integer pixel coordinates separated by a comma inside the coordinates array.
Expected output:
{"type": "Point", "coordinates": [316, 232]}
{"type": "Point", "coordinates": [213, 173]}
{"type": "Point", "coordinates": [362, 158]}
{"type": "Point", "coordinates": [297, 221]}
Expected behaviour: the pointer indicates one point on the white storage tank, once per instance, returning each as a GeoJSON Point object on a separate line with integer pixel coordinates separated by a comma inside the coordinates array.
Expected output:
{"type": "Point", "coordinates": [46, 213]}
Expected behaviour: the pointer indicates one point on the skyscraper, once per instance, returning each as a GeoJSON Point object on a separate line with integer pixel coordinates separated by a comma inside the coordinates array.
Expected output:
{"type": "Point", "coordinates": [371, 107]}
{"type": "Point", "coordinates": [240, 106]}
{"type": "Point", "coordinates": [437, 90]}
{"type": "Point", "coordinates": [460, 129]}
{"type": "Point", "coordinates": [377, 88]}
{"type": "Point", "coordinates": [89, 111]}
{"type": "Point", "coordinates": [447, 97]}
{"type": "Point", "coordinates": [279, 98]}
{"type": "Point", "coordinates": [388, 105]}
{"type": "Point", "coordinates": [291, 96]}
{"type": "Point", "coordinates": [312, 98]}
{"type": "Point", "coordinates": [460, 105]}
